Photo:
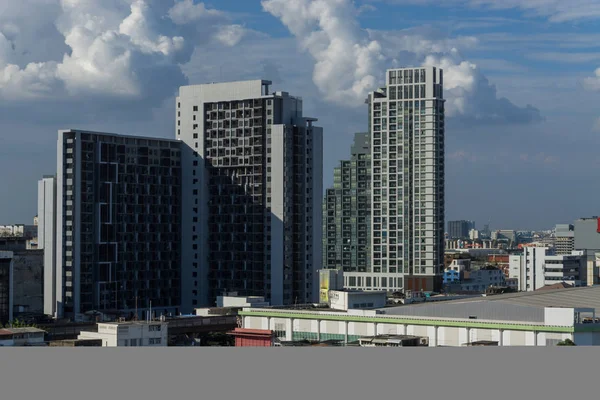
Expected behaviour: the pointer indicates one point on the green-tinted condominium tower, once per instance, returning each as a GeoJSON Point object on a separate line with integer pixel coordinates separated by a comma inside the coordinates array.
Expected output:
{"type": "Point", "coordinates": [346, 212]}
{"type": "Point", "coordinates": [406, 128]}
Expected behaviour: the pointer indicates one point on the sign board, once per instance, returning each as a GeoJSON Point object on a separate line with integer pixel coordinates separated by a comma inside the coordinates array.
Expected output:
{"type": "Point", "coordinates": [324, 287]}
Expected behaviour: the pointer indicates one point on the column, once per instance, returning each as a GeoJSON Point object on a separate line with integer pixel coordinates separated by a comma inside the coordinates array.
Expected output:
{"type": "Point", "coordinates": [289, 329]}
{"type": "Point", "coordinates": [319, 330]}
{"type": "Point", "coordinates": [535, 338]}
{"type": "Point", "coordinates": [345, 332]}
{"type": "Point", "coordinates": [269, 323]}
{"type": "Point", "coordinates": [500, 337]}
{"type": "Point", "coordinates": [376, 327]}
{"type": "Point", "coordinates": [434, 339]}
{"type": "Point", "coordinates": [468, 335]}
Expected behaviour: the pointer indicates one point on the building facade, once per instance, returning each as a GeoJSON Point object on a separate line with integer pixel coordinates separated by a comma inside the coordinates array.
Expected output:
{"type": "Point", "coordinates": [564, 242]}
{"type": "Point", "coordinates": [459, 229]}
{"type": "Point", "coordinates": [118, 233]}
{"type": "Point", "coordinates": [528, 268]}
{"type": "Point", "coordinates": [130, 334]}
{"type": "Point", "coordinates": [570, 269]}
{"type": "Point", "coordinates": [347, 212]}
{"type": "Point", "coordinates": [6, 287]}
{"type": "Point", "coordinates": [406, 128]}
{"type": "Point", "coordinates": [252, 188]}
{"type": "Point", "coordinates": [587, 236]}
{"type": "Point", "coordinates": [506, 326]}
{"type": "Point", "coordinates": [47, 239]}
{"type": "Point", "coordinates": [28, 282]}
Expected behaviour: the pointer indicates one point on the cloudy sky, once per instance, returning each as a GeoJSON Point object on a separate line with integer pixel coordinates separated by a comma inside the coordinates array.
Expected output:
{"type": "Point", "coordinates": [522, 82]}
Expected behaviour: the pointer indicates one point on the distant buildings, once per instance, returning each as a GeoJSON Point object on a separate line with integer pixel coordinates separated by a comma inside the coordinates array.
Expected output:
{"type": "Point", "coordinates": [347, 212]}
{"type": "Point", "coordinates": [538, 267]}
{"type": "Point", "coordinates": [460, 229]}
{"type": "Point", "coordinates": [587, 236]}
{"type": "Point", "coordinates": [564, 242]}
{"type": "Point", "coordinates": [528, 268]}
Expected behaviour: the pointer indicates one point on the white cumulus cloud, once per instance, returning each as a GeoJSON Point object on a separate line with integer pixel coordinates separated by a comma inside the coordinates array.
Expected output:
{"type": "Point", "coordinates": [128, 50]}
{"type": "Point", "coordinates": [350, 61]}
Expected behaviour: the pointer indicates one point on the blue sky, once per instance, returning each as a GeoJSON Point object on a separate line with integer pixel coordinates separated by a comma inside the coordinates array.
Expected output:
{"type": "Point", "coordinates": [520, 74]}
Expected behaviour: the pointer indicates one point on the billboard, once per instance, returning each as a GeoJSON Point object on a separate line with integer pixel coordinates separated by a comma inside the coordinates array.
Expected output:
{"type": "Point", "coordinates": [324, 286]}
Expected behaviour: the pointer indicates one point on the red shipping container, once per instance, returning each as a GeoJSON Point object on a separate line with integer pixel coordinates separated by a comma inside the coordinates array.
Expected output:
{"type": "Point", "coordinates": [253, 337]}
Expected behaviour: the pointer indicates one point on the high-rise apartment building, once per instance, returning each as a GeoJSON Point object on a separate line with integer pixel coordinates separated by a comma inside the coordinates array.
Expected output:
{"type": "Point", "coordinates": [118, 234]}
{"type": "Point", "coordinates": [347, 211]}
{"type": "Point", "coordinates": [252, 188]}
{"type": "Point", "coordinates": [459, 229]}
{"type": "Point", "coordinates": [406, 128]}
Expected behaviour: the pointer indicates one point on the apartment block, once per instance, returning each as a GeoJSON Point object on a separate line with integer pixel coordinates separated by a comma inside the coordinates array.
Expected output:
{"type": "Point", "coordinates": [252, 188]}
{"type": "Point", "coordinates": [564, 242]}
{"type": "Point", "coordinates": [347, 211]}
{"type": "Point", "coordinates": [118, 233]}
{"type": "Point", "coordinates": [406, 128]}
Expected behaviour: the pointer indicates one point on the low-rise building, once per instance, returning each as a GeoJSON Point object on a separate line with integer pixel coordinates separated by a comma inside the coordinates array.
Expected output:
{"type": "Point", "coordinates": [481, 279]}
{"type": "Point", "coordinates": [356, 299]}
{"type": "Point", "coordinates": [570, 269]}
{"type": "Point", "coordinates": [131, 333]}
{"type": "Point", "coordinates": [513, 319]}
{"type": "Point", "coordinates": [28, 336]}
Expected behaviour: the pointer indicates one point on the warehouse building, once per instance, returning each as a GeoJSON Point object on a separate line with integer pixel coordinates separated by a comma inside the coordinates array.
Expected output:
{"type": "Point", "coordinates": [517, 319]}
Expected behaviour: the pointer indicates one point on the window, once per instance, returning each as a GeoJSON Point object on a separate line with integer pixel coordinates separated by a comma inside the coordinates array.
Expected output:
{"type": "Point", "coordinates": [195, 108]}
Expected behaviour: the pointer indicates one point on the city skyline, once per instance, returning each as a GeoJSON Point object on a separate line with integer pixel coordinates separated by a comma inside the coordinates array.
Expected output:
{"type": "Point", "coordinates": [507, 150]}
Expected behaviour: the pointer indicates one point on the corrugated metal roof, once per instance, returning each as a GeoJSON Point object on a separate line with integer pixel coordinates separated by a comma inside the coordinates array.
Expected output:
{"type": "Point", "coordinates": [524, 306]}
{"type": "Point", "coordinates": [480, 309]}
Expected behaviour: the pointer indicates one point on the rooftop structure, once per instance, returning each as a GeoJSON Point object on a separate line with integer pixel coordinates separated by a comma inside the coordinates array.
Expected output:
{"type": "Point", "coordinates": [541, 318]}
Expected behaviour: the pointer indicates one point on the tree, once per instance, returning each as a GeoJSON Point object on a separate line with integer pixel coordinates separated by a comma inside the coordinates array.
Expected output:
{"type": "Point", "coordinates": [566, 342]}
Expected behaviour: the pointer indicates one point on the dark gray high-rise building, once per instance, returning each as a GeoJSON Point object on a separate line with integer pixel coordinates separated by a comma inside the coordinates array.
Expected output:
{"type": "Point", "coordinates": [347, 211]}
{"type": "Point", "coordinates": [118, 230]}
{"type": "Point", "coordinates": [459, 229]}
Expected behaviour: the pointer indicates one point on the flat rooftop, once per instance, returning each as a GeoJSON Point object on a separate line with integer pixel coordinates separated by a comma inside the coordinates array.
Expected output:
{"type": "Point", "coordinates": [125, 323]}
{"type": "Point", "coordinates": [523, 306]}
